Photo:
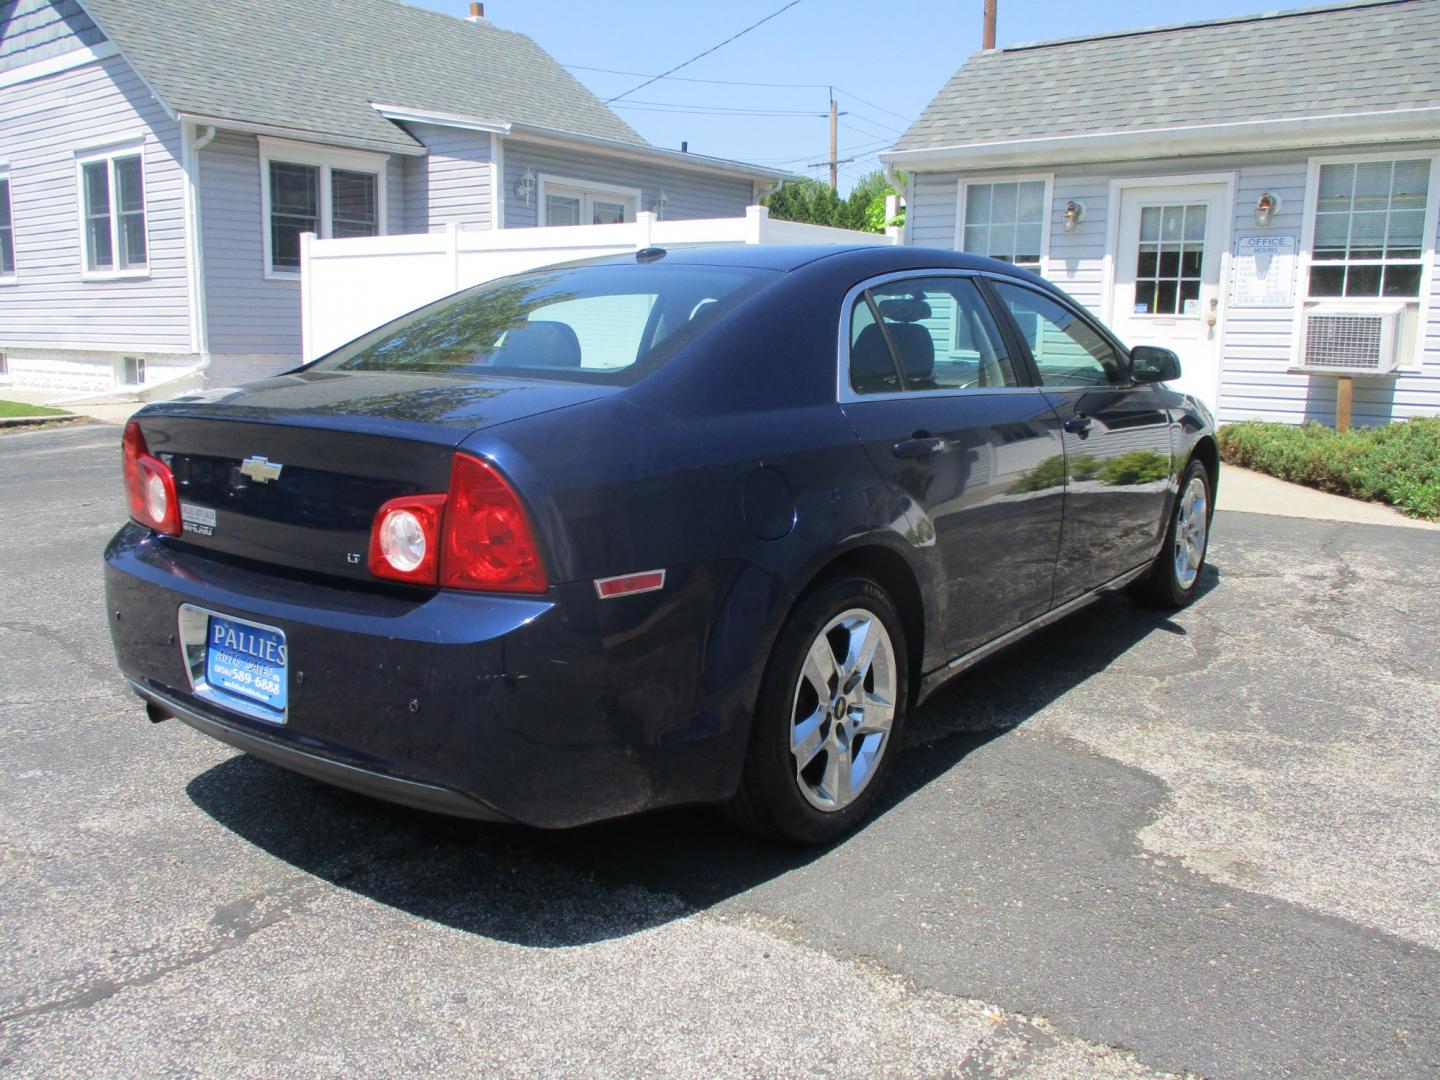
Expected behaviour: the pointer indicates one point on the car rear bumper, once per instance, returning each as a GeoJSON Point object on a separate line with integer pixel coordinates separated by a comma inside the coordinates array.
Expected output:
{"type": "Point", "coordinates": [550, 711]}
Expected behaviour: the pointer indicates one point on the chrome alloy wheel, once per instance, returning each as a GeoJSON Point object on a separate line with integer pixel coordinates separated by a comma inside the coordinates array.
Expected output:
{"type": "Point", "coordinates": [843, 708]}
{"type": "Point", "coordinates": [1192, 518]}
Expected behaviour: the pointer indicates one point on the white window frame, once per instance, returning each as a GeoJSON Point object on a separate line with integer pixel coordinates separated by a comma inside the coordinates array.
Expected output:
{"type": "Point", "coordinates": [1417, 307]}
{"type": "Point", "coordinates": [587, 192]}
{"type": "Point", "coordinates": [13, 277]}
{"type": "Point", "coordinates": [962, 186]}
{"type": "Point", "coordinates": [109, 154]}
{"type": "Point", "coordinates": [326, 158]}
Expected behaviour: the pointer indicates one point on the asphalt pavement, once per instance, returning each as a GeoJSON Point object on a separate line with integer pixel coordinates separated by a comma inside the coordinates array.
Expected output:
{"type": "Point", "coordinates": [1134, 845]}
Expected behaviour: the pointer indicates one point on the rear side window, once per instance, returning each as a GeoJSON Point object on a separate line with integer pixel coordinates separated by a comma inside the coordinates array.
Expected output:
{"type": "Point", "coordinates": [609, 324]}
{"type": "Point", "coordinates": [920, 334]}
{"type": "Point", "coordinates": [1068, 351]}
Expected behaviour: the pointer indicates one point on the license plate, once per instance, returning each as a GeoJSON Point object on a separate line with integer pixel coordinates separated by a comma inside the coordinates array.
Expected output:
{"type": "Point", "coordinates": [246, 660]}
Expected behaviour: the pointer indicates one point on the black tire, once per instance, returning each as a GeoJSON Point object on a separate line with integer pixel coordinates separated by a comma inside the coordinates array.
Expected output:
{"type": "Point", "coordinates": [1161, 587]}
{"type": "Point", "coordinates": [770, 801]}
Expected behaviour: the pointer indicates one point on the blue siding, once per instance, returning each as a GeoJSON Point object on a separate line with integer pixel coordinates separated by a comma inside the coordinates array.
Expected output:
{"type": "Point", "coordinates": [1259, 344]}
{"type": "Point", "coordinates": [248, 314]}
{"type": "Point", "coordinates": [35, 30]}
{"type": "Point", "coordinates": [45, 121]}
{"type": "Point", "coordinates": [454, 179]}
{"type": "Point", "coordinates": [688, 194]}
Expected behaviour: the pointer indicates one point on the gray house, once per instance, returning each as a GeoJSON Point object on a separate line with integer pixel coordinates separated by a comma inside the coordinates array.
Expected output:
{"type": "Point", "coordinates": [1259, 194]}
{"type": "Point", "coordinates": [160, 159]}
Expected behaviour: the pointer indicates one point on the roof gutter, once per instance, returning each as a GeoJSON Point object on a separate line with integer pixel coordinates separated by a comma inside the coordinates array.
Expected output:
{"type": "Point", "coordinates": [1191, 140]}
{"type": "Point", "coordinates": [557, 137]}
{"type": "Point", "coordinates": [642, 152]}
{"type": "Point", "coordinates": [409, 149]}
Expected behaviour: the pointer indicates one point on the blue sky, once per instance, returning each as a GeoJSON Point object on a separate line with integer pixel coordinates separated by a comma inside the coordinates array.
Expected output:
{"type": "Point", "coordinates": [883, 68]}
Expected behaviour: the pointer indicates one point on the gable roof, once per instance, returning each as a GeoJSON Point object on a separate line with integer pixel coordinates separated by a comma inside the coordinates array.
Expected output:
{"type": "Point", "coordinates": [1334, 61]}
{"type": "Point", "coordinates": [314, 67]}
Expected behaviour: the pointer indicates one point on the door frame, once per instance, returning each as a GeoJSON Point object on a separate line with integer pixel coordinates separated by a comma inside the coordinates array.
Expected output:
{"type": "Point", "coordinates": [1227, 232]}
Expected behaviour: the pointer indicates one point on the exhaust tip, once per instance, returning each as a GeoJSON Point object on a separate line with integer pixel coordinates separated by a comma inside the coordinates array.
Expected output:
{"type": "Point", "coordinates": [155, 714]}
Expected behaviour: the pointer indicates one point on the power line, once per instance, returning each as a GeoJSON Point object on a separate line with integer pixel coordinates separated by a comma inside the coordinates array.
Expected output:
{"type": "Point", "coordinates": [713, 82]}
{"type": "Point", "coordinates": [863, 130]}
{"type": "Point", "coordinates": [723, 110]}
{"type": "Point", "coordinates": [707, 52]}
{"type": "Point", "coordinates": [872, 105]}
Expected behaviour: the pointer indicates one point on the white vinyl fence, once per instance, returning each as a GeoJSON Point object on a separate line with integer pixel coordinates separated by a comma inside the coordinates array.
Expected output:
{"type": "Point", "coordinates": [351, 286]}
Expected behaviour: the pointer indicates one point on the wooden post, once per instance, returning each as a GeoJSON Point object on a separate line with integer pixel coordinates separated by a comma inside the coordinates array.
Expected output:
{"type": "Point", "coordinates": [1344, 399]}
{"type": "Point", "coordinates": [834, 146]}
{"type": "Point", "coordinates": [987, 40]}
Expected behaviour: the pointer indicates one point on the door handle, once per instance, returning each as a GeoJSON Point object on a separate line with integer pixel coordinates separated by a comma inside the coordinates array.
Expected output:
{"type": "Point", "coordinates": [919, 445]}
{"type": "Point", "coordinates": [1079, 424]}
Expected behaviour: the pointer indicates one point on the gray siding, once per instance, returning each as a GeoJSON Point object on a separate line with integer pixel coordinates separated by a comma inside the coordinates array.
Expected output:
{"type": "Point", "coordinates": [245, 312]}
{"type": "Point", "coordinates": [688, 194]}
{"type": "Point", "coordinates": [1259, 343]}
{"type": "Point", "coordinates": [44, 122]}
{"type": "Point", "coordinates": [35, 30]}
{"type": "Point", "coordinates": [454, 185]}
{"type": "Point", "coordinates": [248, 314]}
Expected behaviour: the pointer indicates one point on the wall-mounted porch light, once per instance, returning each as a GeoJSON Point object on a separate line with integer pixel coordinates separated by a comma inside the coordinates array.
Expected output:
{"type": "Point", "coordinates": [1074, 214]}
{"type": "Point", "coordinates": [525, 186]}
{"type": "Point", "coordinates": [1265, 208]}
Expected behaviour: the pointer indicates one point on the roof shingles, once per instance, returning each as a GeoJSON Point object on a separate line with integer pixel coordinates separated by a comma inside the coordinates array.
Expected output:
{"type": "Point", "coordinates": [1358, 58]}
{"type": "Point", "coordinates": [315, 66]}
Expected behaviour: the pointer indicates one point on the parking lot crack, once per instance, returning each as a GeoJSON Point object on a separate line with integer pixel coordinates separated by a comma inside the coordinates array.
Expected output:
{"type": "Point", "coordinates": [232, 925]}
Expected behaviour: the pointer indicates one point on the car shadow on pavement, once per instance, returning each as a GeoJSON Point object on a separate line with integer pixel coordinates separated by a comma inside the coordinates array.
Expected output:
{"type": "Point", "coordinates": [549, 889]}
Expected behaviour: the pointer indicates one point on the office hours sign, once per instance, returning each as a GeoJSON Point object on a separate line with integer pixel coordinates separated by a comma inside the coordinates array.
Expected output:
{"type": "Point", "coordinates": [1264, 272]}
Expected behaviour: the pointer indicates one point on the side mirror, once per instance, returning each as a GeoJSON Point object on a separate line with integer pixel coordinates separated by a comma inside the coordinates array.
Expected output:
{"type": "Point", "coordinates": [1152, 364]}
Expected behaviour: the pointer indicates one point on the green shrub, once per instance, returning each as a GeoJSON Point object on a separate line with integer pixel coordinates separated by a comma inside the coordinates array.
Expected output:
{"type": "Point", "coordinates": [1397, 464]}
{"type": "Point", "coordinates": [1136, 467]}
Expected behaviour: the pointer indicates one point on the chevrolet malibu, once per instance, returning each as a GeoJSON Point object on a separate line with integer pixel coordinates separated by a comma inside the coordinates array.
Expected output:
{"type": "Point", "coordinates": [679, 527]}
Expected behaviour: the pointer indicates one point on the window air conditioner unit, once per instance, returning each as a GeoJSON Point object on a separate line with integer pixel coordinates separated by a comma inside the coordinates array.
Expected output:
{"type": "Point", "coordinates": [1352, 340]}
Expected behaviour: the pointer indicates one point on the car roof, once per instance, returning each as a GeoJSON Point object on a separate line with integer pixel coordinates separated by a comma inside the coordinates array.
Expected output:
{"type": "Point", "coordinates": [868, 258]}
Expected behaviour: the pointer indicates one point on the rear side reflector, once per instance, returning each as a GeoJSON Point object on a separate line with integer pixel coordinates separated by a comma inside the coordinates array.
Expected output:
{"type": "Point", "coordinates": [630, 584]}
{"type": "Point", "coordinates": [149, 485]}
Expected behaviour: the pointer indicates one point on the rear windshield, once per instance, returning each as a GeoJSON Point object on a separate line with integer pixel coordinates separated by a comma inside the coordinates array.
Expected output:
{"type": "Point", "coordinates": [608, 324]}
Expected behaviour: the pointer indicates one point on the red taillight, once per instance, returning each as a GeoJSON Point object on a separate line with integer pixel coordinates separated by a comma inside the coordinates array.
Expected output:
{"type": "Point", "coordinates": [405, 539]}
{"type": "Point", "coordinates": [150, 485]}
{"type": "Point", "coordinates": [488, 543]}
{"type": "Point", "coordinates": [476, 536]}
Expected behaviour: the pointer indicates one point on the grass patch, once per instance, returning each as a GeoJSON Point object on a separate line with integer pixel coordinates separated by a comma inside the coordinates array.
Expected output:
{"type": "Point", "coordinates": [17, 408]}
{"type": "Point", "coordinates": [1398, 464]}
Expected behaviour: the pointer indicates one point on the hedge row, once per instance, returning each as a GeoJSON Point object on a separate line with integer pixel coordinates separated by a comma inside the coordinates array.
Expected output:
{"type": "Point", "coordinates": [1397, 464]}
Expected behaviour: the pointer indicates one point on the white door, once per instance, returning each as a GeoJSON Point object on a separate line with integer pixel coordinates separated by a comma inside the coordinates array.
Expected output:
{"type": "Point", "coordinates": [1167, 276]}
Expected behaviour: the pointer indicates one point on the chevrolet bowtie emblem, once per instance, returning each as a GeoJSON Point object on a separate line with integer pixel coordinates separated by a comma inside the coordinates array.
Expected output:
{"type": "Point", "coordinates": [261, 470]}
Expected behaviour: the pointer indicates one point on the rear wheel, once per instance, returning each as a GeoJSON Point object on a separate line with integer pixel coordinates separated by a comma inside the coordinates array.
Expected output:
{"type": "Point", "coordinates": [831, 707]}
{"type": "Point", "coordinates": [1172, 579]}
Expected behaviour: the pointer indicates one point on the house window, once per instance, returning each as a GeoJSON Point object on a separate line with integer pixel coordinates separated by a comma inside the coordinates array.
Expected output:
{"type": "Point", "coordinates": [132, 371]}
{"type": "Point", "coordinates": [1006, 221]}
{"type": "Point", "coordinates": [7, 232]}
{"type": "Point", "coordinates": [328, 192]}
{"type": "Point", "coordinates": [573, 202]}
{"type": "Point", "coordinates": [1370, 229]}
{"type": "Point", "coordinates": [112, 211]}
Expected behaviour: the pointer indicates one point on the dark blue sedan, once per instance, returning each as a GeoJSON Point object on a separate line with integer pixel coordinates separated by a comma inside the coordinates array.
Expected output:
{"type": "Point", "coordinates": [677, 527]}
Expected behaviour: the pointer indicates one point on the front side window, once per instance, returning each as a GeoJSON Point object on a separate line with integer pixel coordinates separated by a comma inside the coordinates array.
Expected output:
{"type": "Point", "coordinates": [316, 196]}
{"type": "Point", "coordinates": [603, 324]}
{"type": "Point", "coordinates": [1068, 351]}
{"type": "Point", "coordinates": [566, 204]}
{"type": "Point", "coordinates": [113, 208]}
{"type": "Point", "coordinates": [1370, 229]}
{"type": "Point", "coordinates": [1006, 221]}
{"type": "Point", "coordinates": [925, 334]}
{"type": "Point", "coordinates": [7, 230]}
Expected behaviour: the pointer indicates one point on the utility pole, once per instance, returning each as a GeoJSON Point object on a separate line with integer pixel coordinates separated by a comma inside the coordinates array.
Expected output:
{"type": "Point", "coordinates": [835, 161]}
{"type": "Point", "coordinates": [987, 40]}
{"type": "Point", "coordinates": [834, 143]}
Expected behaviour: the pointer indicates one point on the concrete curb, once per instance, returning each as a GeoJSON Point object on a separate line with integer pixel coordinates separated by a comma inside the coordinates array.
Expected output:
{"type": "Point", "coordinates": [1249, 492]}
